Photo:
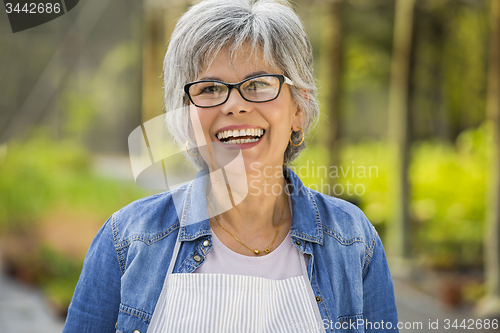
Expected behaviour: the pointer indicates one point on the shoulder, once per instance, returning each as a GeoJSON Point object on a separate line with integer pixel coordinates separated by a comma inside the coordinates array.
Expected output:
{"type": "Point", "coordinates": [149, 217]}
{"type": "Point", "coordinates": [342, 219]}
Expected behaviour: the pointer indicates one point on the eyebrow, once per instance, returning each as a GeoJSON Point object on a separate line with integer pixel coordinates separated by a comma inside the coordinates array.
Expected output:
{"type": "Point", "coordinates": [214, 78]}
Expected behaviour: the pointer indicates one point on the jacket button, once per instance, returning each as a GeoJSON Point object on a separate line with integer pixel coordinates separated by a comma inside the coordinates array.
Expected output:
{"type": "Point", "coordinates": [298, 243]}
{"type": "Point", "coordinates": [318, 299]}
{"type": "Point", "coordinates": [136, 331]}
{"type": "Point", "coordinates": [197, 258]}
{"type": "Point", "coordinates": [206, 243]}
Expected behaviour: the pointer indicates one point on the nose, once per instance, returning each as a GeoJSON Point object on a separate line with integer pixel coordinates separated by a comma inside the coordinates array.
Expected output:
{"type": "Point", "coordinates": [236, 104]}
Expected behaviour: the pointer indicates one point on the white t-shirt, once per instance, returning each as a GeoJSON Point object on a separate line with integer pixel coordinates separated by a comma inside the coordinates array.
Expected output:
{"type": "Point", "coordinates": [280, 264]}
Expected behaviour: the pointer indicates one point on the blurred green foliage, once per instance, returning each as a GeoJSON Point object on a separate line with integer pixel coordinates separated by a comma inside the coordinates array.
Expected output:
{"type": "Point", "coordinates": [40, 177]}
{"type": "Point", "coordinates": [448, 200]}
{"type": "Point", "coordinates": [447, 185]}
{"type": "Point", "coordinates": [35, 175]}
{"type": "Point", "coordinates": [449, 62]}
{"type": "Point", "coordinates": [42, 174]}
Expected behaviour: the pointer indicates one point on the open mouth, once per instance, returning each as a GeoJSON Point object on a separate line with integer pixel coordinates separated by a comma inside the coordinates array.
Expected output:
{"type": "Point", "coordinates": [239, 136]}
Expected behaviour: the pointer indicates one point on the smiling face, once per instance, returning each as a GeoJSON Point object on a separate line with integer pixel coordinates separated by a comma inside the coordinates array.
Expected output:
{"type": "Point", "coordinates": [260, 130]}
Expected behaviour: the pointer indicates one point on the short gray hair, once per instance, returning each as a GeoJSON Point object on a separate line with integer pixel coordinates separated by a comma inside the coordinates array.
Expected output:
{"type": "Point", "coordinates": [211, 25]}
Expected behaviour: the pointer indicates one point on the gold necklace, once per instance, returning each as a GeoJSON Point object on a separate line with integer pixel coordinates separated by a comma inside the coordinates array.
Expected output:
{"type": "Point", "coordinates": [268, 250]}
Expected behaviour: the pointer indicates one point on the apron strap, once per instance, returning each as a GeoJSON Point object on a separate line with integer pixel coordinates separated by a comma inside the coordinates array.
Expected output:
{"type": "Point", "coordinates": [156, 325]}
{"type": "Point", "coordinates": [156, 321]}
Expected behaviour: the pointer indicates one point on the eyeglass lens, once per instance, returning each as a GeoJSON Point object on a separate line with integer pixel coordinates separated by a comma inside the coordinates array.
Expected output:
{"type": "Point", "coordinates": [259, 89]}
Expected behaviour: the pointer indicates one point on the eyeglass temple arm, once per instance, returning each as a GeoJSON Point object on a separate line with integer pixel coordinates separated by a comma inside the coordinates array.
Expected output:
{"type": "Point", "coordinates": [288, 81]}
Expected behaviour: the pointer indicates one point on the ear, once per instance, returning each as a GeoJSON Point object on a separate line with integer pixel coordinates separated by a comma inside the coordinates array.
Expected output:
{"type": "Point", "coordinates": [298, 119]}
{"type": "Point", "coordinates": [304, 93]}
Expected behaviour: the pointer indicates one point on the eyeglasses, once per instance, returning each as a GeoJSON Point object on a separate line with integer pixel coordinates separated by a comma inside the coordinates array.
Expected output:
{"type": "Point", "coordinates": [257, 89]}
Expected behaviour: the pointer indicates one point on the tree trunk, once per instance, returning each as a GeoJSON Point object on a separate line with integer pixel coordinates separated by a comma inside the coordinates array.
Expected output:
{"type": "Point", "coordinates": [398, 119]}
{"type": "Point", "coordinates": [490, 306]}
{"type": "Point", "coordinates": [333, 51]}
{"type": "Point", "coordinates": [153, 53]}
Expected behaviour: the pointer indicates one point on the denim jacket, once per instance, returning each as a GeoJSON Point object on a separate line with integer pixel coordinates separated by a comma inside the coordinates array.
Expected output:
{"type": "Point", "coordinates": [126, 264]}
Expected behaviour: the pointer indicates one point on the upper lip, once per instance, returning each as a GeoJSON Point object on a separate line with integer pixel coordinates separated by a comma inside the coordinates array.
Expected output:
{"type": "Point", "coordinates": [234, 127]}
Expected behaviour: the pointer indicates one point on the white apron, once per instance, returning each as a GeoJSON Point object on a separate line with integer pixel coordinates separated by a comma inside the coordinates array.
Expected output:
{"type": "Point", "coordinates": [223, 303]}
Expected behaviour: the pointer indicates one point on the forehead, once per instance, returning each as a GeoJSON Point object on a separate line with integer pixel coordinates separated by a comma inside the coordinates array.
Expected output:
{"type": "Point", "coordinates": [237, 64]}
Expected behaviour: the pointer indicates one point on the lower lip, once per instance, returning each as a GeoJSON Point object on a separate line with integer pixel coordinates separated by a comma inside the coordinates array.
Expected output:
{"type": "Point", "coordinates": [247, 145]}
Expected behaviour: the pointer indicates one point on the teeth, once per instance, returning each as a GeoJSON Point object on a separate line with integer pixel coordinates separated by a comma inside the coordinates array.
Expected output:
{"type": "Point", "coordinates": [243, 132]}
{"type": "Point", "coordinates": [240, 141]}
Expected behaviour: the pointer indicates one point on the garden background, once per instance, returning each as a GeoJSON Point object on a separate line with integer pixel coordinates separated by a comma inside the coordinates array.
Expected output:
{"type": "Point", "coordinates": [410, 115]}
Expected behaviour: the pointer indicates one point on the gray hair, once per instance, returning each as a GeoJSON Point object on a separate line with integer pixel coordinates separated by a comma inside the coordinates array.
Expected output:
{"type": "Point", "coordinates": [211, 25]}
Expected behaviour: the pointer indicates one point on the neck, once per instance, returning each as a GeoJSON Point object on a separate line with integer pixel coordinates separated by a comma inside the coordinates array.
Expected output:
{"type": "Point", "coordinates": [252, 202]}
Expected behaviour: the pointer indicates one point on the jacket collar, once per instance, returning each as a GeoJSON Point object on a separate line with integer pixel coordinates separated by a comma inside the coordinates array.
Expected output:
{"type": "Point", "coordinates": [306, 221]}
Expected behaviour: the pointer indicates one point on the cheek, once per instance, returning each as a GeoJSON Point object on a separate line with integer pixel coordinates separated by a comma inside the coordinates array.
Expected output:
{"type": "Point", "coordinates": [201, 122]}
{"type": "Point", "coordinates": [282, 117]}
{"type": "Point", "coordinates": [281, 124]}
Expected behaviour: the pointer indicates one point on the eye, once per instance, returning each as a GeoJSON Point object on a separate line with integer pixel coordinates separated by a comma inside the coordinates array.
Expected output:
{"type": "Point", "coordinates": [213, 89]}
{"type": "Point", "coordinates": [207, 88]}
{"type": "Point", "coordinates": [257, 85]}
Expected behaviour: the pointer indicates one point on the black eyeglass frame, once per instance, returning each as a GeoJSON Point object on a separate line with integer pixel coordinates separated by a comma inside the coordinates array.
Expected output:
{"type": "Point", "coordinates": [282, 79]}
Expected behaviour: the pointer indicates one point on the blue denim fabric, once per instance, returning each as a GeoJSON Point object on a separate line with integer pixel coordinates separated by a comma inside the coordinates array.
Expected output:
{"type": "Point", "coordinates": [127, 262]}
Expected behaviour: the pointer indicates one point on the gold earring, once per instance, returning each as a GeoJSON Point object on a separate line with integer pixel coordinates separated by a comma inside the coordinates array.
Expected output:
{"type": "Point", "coordinates": [189, 151]}
{"type": "Point", "coordinates": [291, 142]}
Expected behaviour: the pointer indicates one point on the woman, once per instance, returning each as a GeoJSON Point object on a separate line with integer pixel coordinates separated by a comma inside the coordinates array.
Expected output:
{"type": "Point", "coordinates": [245, 247]}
